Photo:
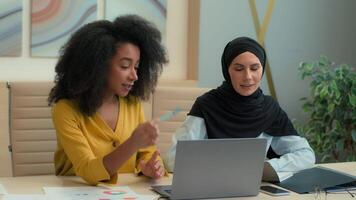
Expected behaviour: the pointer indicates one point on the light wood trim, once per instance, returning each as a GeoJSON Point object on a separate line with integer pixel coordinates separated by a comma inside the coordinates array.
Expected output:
{"type": "Point", "coordinates": [260, 33]}
{"type": "Point", "coordinates": [5, 155]}
{"type": "Point", "coordinates": [193, 39]}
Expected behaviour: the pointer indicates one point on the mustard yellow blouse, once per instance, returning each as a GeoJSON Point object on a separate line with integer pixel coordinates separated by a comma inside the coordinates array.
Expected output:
{"type": "Point", "coordinates": [83, 141]}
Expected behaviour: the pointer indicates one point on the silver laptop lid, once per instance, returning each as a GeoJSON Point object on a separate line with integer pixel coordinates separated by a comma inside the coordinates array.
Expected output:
{"type": "Point", "coordinates": [216, 168]}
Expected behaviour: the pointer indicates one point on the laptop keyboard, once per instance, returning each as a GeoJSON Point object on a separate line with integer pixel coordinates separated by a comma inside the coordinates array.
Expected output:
{"type": "Point", "coordinates": [168, 191]}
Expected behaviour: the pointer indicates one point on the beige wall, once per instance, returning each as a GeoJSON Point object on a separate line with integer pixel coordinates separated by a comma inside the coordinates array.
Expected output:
{"type": "Point", "coordinates": [28, 68]}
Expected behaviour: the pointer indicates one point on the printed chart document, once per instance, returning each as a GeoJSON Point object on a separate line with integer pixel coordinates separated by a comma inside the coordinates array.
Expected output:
{"type": "Point", "coordinates": [2, 190]}
{"type": "Point", "coordinates": [24, 197]}
{"type": "Point", "coordinates": [93, 193]}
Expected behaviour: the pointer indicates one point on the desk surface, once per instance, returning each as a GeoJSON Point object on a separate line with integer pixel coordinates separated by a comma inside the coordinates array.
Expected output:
{"type": "Point", "coordinates": [141, 185]}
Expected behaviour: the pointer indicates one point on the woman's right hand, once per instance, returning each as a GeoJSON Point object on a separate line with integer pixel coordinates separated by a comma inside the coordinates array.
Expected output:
{"type": "Point", "coordinates": [145, 134]}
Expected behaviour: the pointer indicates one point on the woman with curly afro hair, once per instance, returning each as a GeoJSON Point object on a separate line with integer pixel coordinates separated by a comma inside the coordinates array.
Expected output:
{"type": "Point", "coordinates": [104, 71]}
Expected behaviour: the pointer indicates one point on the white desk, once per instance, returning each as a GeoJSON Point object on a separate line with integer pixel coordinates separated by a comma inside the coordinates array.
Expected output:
{"type": "Point", "coordinates": [141, 185]}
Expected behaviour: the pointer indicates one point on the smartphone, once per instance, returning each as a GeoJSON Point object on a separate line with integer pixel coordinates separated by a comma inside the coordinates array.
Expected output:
{"type": "Point", "coordinates": [274, 191]}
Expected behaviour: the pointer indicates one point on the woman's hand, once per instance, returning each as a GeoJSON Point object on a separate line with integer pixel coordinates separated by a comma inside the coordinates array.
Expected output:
{"type": "Point", "coordinates": [145, 134]}
{"type": "Point", "coordinates": [152, 168]}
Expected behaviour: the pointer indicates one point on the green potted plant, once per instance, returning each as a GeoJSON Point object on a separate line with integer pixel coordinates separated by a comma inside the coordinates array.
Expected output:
{"type": "Point", "coordinates": [331, 109]}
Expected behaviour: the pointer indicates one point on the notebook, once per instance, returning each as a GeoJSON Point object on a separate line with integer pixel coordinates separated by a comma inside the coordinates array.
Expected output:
{"type": "Point", "coordinates": [308, 180]}
{"type": "Point", "coordinates": [341, 188]}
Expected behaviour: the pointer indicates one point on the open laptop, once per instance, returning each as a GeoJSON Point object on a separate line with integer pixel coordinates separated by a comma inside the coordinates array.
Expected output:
{"type": "Point", "coordinates": [216, 168]}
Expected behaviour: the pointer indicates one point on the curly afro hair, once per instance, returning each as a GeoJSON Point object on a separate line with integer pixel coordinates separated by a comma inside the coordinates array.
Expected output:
{"type": "Point", "coordinates": [82, 68]}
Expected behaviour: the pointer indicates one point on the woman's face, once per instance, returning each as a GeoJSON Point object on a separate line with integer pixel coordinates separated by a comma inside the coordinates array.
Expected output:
{"type": "Point", "coordinates": [123, 69]}
{"type": "Point", "coordinates": [245, 72]}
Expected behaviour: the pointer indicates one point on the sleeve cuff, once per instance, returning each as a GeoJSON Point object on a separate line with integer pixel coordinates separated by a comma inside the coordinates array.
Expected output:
{"type": "Point", "coordinates": [274, 164]}
{"type": "Point", "coordinates": [98, 173]}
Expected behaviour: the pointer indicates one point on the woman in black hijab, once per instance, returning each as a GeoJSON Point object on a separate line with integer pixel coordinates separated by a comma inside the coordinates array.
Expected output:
{"type": "Point", "coordinates": [239, 109]}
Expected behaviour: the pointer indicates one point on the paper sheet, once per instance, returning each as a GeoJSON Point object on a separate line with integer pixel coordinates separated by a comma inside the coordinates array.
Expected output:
{"type": "Point", "coordinates": [2, 189]}
{"type": "Point", "coordinates": [93, 193]}
{"type": "Point", "coordinates": [24, 197]}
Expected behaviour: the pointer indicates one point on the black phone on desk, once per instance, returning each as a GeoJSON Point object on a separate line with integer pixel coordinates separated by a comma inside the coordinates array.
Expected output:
{"type": "Point", "coordinates": [274, 191]}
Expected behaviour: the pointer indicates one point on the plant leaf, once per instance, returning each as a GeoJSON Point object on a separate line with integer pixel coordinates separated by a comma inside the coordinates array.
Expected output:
{"type": "Point", "coordinates": [352, 100]}
{"type": "Point", "coordinates": [340, 145]}
{"type": "Point", "coordinates": [324, 92]}
{"type": "Point", "coordinates": [333, 85]}
{"type": "Point", "coordinates": [331, 107]}
{"type": "Point", "coordinates": [337, 94]}
{"type": "Point", "coordinates": [353, 135]}
{"type": "Point", "coordinates": [324, 61]}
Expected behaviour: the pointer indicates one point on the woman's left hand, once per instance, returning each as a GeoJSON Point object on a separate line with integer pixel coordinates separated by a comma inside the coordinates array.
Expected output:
{"type": "Point", "coordinates": [153, 168]}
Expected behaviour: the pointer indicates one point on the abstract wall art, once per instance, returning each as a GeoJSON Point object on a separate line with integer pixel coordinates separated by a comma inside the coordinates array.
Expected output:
{"type": "Point", "coordinates": [10, 27]}
{"type": "Point", "coordinates": [53, 21]}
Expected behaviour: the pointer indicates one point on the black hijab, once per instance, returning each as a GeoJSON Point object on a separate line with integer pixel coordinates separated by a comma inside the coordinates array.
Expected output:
{"type": "Point", "coordinates": [227, 114]}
